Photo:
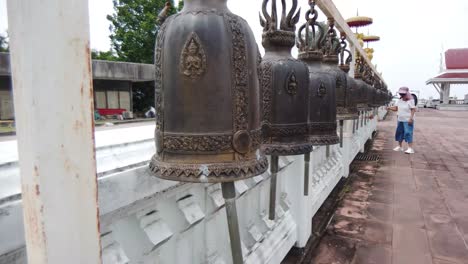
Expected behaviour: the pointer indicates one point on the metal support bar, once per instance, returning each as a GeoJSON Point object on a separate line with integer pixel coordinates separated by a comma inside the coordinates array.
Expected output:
{"type": "Point", "coordinates": [354, 126]}
{"type": "Point", "coordinates": [306, 173]}
{"type": "Point", "coordinates": [53, 100]}
{"type": "Point", "coordinates": [273, 181]}
{"type": "Point", "coordinates": [341, 133]}
{"type": "Point", "coordinates": [327, 151]}
{"type": "Point", "coordinates": [229, 195]}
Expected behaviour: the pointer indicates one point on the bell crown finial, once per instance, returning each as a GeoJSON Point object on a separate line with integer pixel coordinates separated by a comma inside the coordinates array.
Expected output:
{"type": "Point", "coordinates": [288, 22]}
{"type": "Point", "coordinates": [331, 45]}
{"type": "Point", "coordinates": [310, 43]}
{"type": "Point", "coordinates": [285, 34]}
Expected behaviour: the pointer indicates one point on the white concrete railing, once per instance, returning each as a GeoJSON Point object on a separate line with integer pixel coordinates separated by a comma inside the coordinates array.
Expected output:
{"type": "Point", "coordinates": [145, 219]}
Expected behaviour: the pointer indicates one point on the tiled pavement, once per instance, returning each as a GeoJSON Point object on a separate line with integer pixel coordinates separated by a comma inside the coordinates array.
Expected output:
{"type": "Point", "coordinates": [406, 209]}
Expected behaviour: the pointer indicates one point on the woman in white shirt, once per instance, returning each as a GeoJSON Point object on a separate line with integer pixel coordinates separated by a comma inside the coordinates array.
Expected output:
{"type": "Point", "coordinates": [405, 109]}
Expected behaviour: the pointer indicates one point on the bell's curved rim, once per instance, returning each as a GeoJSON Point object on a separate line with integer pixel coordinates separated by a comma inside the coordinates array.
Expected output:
{"type": "Point", "coordinates": [310, 56]}
{"type": "Point", "coordinates": [209, 173]}
{"type": "Point", "coordinates": [330, 59]}
{"type": "Point", "coordinates": [347, 116]}
{"type": "Point", "coordinates": [346, 113]}
{"type": "Point", "coordinates": [286, 149]}
{"type": "Point", "coordinates": [324, 140]}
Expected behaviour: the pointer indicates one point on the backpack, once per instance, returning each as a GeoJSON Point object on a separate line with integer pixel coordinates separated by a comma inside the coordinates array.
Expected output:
{"type": "Point", "coordinates": [415, 98]}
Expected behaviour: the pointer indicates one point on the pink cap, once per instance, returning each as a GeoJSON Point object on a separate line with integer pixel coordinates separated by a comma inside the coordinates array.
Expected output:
{"type": "Point", "coordinates": [403, 90]}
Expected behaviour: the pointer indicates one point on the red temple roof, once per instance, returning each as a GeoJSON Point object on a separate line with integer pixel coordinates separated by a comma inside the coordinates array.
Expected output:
{"type": "Point", "coordinates": [456, 59]}
{"type": "Point", "coordinates": [454, 67]}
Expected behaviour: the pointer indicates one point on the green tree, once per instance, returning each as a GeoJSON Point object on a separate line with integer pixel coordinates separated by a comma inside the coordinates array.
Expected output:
{"type": "Point", "coordinates": [133, 28]}
{"type": "Point", "coordinates": [133, 35]}
{"type": "Point", "coordinates": [104, 55]}
{"type": "Point", "coordinates": [4, 46]}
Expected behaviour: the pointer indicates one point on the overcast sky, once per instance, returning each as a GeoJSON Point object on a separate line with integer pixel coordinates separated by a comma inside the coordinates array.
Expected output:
{"type": "Point", "coordinates": [413, 33]}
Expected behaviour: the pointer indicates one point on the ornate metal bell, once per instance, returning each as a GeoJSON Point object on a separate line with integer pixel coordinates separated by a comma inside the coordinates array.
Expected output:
{"type": "Point", "coordinates": [207, 111]}
{"type": "Point", "coordinates": [207, 94]}
{"type": "Point", "coordinates": [322, 83]}
{"type": "Point", "coordinates": [330, 63]}
{"type": "Point", "coordinates": [367, 78]}
{"type": "Point", "coordinates": [349, 109]}
{"type": "Point", "coordinates": [284, 83]}
{"type": "Point", "coordinates": [361, 93]}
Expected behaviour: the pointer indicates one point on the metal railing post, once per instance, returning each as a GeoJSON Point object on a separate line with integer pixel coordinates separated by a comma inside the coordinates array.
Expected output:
{"type": "Point", "coordinates": [53, 100]}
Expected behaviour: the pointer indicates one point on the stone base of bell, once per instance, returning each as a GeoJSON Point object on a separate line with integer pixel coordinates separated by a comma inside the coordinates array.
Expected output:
{"type": "Point", "coordinates": [209, 173]}
{"type": "Point", "coordinates": [286, 149]}
{"type": "Point", "coordinates": [323, 140]}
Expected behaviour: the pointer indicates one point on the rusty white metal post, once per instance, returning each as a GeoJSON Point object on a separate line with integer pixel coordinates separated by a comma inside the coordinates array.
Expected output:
{"type": "Point", "coordinates": [53, 98]}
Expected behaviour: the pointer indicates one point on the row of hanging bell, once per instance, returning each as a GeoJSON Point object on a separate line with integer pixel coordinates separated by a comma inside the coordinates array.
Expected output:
{"type": "Point", "coordinates": [212, 127]}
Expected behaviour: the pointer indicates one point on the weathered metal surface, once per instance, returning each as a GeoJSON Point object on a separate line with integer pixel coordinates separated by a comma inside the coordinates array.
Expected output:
{"type": "Point", "coordinates": [284, 85]}
{"type": "Point", "coordinates": [322, 84]}
{"type": "Point", "coordinates": [53, 98]}
{"type": "Point", "coordinates": [207, 112]}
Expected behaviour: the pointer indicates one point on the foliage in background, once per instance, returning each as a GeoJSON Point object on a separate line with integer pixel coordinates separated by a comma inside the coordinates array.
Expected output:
{"type": "Point", "coordinates": [133, 29]}
{"type": "Point", "coordinates": [133, 35]}
{"type": "Point", "coordinates": [104, 55]}
{"type": "Point", "coordinates": [4, 46]}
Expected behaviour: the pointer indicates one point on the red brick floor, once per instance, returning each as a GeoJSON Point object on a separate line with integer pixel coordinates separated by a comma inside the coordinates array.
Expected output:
{"type": "Point", "coordinates": [406, 209]}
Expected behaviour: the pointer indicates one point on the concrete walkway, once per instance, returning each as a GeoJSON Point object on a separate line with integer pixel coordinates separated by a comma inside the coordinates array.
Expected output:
{"type": "Point", "coordinates": [406, 209]}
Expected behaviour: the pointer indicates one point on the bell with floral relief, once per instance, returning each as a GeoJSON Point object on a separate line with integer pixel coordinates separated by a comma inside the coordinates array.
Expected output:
{"type": "Point", "coordinates": [284, 84]}
{"type": "Point", "coordinates": [311, 40]}
{"type": "Point", "coordinates": [207, 102]}
{"type": "Point", "coordinates": [312, 37]}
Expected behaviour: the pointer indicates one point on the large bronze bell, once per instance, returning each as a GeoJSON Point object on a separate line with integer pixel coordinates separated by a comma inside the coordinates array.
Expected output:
{"type": "Point", "coordinates": [346, 105]}
{"type": "Point", "coordinates": [207, 94]}
{"type": "Point", "coordinates": [330, 64]}
{"type": "Point", "coordinates": [312, 37]}
{"type": "Point", "coordinates": [349, 110]}
{"type": "Point", "coordinates": [284, 83]}
{"type": "Point", "coordinates": [361, 93]}
{"type": "Point", "coordinates": [207, 113]}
